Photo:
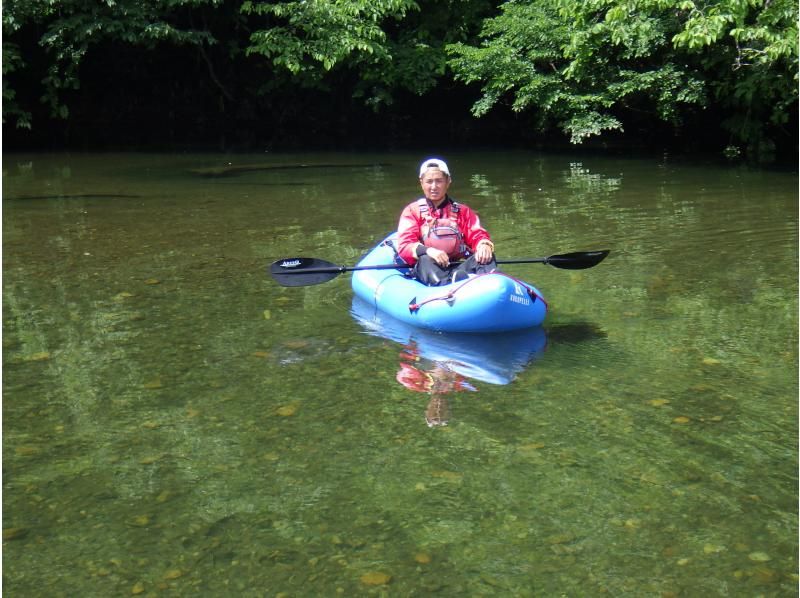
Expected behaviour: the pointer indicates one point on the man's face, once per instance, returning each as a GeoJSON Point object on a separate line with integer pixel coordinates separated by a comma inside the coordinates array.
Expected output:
{"type": "Point", "coordinates": [434, 184]}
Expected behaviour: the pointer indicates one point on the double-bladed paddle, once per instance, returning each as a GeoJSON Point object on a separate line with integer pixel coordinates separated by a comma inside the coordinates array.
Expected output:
{"type": "Point", "coordinates": [306, 271]}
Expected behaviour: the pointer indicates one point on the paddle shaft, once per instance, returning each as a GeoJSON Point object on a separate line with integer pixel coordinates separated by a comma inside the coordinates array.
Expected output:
{"type": "Point", "coordinates": [302, 271]}
{"type": "Point", "coordinates": [341, 269]}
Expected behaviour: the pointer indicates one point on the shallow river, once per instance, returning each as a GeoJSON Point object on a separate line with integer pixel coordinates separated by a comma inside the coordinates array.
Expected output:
{"type": "Point", "coordinates": [175, 423]}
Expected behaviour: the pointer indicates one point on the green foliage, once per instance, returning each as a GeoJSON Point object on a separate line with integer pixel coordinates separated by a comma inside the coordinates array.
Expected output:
{"type": "Point", "coordinates": [583, 66]}
{"type": "Point", "coordinates": [15, 15]}
{"type": "Point", "coordinates": [522, 52]}
{"type": "Point", "coordinates": [71, 27]}
{"type": "Point", "coordinates": [749, 49]}
{"type": "Point", "coordinates": [12, 61]}
{"type": "Point", "coordinates": [415, 59]}
{"type": "Point", "coordinates": [578, 65]}
{"type": "Point", "coordinates": [385, 45]}
{"type": "Point", "coordinates": [583, 63]}
{"type": "Point", "coordinates": [323, 32]}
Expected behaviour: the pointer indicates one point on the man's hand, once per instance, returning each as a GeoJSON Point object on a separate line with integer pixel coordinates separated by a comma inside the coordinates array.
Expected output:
{"type": "Point", "coordinates": [484, 252]}
{"type": "Point", "coordinates": [438, 256]}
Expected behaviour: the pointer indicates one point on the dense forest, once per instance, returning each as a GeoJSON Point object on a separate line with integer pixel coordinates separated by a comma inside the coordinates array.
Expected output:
{"type": "Point", "coordinates": [253, 75]}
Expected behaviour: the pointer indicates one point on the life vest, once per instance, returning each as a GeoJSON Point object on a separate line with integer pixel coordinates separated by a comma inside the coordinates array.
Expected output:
{"type": "Point", "coordinates": [442, 233]}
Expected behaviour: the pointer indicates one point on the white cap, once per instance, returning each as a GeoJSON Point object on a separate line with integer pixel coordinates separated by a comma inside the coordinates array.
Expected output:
{"type": "Point", "coordinates": [433, 163]}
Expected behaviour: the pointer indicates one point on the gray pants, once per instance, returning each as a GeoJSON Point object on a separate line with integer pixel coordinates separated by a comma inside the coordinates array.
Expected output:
{"type": "Point", "coordinates": [430, 273]}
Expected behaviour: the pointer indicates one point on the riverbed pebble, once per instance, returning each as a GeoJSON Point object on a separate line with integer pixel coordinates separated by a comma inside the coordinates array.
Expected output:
{"type": "Point", "coordinates": [375, 578]}
{"type": "Point", "coordinates": [26, 451]}
{"type": "Point", "coordinates": [40, 356]}
{"type": "Point", "coordinates": [759, 557]}
{"type": "Point", "coordinates": [140, 521]}
{"type": "Point", "coordinates": [153, 384]}
{"type": "Point", "coordinates": [13, 533]}
{"type": "Point", "coordinates": [287, 410]}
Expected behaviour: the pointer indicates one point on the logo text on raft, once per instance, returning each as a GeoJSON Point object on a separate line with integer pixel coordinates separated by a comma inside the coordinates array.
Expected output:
{"type": "Point", "coordinates": [519, 296]}
{"type": "Point", "coordinates": [290, 264]}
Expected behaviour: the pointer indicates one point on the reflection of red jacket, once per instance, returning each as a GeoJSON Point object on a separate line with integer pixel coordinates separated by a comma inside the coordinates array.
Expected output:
{"type": "Point", "coordinates": [439, 380]}
{"type": "Point", "coordinates": [409, 229]}
{"type": "Point", "coordinates": [414, 379]}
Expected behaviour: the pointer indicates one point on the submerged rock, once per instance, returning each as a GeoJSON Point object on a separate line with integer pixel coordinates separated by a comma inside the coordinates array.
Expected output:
{"type": "Point", "coordinates": [14, 533]}
{"type": "Point", "coordinates": [375, 578]}
{"type": "Point", "coordinates": [40, 356]}
{"type": "Point", "coordinates": [759, 557]}
{"type": "Point", "coordinates": [287, 410]}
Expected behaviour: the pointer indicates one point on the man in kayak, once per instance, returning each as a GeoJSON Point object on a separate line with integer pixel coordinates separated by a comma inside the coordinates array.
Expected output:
{"type": "Point", "coordinates": [435, 231]}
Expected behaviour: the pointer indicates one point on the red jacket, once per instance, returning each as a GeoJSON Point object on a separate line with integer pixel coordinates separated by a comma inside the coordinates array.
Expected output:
{"type": "Point", "coordinates": [409, 229]}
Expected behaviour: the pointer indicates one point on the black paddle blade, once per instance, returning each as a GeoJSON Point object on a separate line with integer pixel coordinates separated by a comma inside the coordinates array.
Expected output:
{"type": "Point", "coordinates": [580, 260]}
{"type": "Point", "coordinates": [303, 271]}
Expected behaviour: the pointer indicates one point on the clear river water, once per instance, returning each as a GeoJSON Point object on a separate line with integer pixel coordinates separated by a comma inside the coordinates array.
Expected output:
{"type": "Point", "coordinates": [176, 423]}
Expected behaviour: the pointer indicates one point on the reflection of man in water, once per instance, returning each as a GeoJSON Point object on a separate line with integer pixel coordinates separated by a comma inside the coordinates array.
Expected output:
{"type": "Point", "coordinates": [437, 381]}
